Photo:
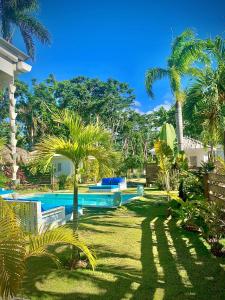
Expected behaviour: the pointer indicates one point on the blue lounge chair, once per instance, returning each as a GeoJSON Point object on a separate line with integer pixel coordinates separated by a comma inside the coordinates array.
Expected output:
{"type": "Point", "coordinates": [109, 185]}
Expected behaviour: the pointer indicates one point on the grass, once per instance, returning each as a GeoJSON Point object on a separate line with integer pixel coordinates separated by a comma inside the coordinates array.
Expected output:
{"type": "Point", "coordinates": [141, 254]}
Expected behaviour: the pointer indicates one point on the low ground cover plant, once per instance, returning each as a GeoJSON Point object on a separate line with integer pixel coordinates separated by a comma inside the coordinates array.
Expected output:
{"type": "Point", "coordinates": [206, 218]}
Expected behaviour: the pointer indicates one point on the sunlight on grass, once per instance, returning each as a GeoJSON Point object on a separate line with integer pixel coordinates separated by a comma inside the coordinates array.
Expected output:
{"type": "Point", "coordinates": [140, 255]}
{"type": "Point", "coordinates": [159, 294]}
{"type": "Point", "coordinates": [158, 266]}
{"type": "Point", "coordinates": [180, 269]}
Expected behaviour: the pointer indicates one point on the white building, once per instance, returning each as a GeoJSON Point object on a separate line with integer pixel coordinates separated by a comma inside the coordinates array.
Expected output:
{"type": "Point", "coordinates": [62, 165]}
{"type": "Point", "coordinates": [196, 152]}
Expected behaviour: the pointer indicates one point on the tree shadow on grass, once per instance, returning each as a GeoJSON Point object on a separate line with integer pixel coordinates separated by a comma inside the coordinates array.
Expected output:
{"type": "Point", "coordinates": [175, 264]}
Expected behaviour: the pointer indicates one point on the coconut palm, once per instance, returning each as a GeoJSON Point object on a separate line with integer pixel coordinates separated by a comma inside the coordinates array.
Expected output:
{"type": "Point", "coordinates": [185, 51]}
{"type": "Point", "coordinates": [19, 13]}
{"type": "Point", "coordinates": [82, 142]}
{"type": "Point", "coordinates": [16, 248]}
{"type": "Point", "coordinates": [207, 95]}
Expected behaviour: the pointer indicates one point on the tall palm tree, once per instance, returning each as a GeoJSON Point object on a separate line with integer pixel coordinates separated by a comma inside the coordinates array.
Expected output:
{"type": "Point", "coordinates": [207, 95]}
{"type": "Point", "coordinates": [16, 248]}
{"type": "Point", "coordinates": [19, 13]}
{"type": "Point", "coordinates": [185, 51]}
{"type": "Point", "coordinates": [82, 141]}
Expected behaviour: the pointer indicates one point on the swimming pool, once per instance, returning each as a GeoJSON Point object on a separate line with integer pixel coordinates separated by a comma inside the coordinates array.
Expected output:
{"type": "Point", "coordinates": [52, 200]}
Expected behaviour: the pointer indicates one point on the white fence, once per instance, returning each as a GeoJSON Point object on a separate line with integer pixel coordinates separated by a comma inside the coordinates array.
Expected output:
{"type": "Point", "coordinates": [33, 220]}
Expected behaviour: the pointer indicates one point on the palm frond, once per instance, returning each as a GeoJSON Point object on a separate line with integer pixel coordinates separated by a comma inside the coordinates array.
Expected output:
{"type": "Point", "coordinates": [26, 5]}
{"type": "Point", "coordinates": [37, 244]}
{"type": "Point", "coordinates": [151, 76]}
{"type": "Point", "coordinates": [31, 28]}
{"type": "Point", "coordinates": [179, 42]}
{"type": "Point", "coordinates": [12, 252]}
{"type": "Point", "coordinates": [51, 145]}
{"type": "Point", "coordinates": [192, 51]}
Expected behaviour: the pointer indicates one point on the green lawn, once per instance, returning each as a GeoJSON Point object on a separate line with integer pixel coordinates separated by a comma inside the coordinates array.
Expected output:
{"type": "Point", "coordinates": [141, 255]}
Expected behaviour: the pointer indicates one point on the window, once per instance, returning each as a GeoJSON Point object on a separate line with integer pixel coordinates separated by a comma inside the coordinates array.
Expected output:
{"type": "Point", "coordinates": [59, 167]}
{"type": "Point", "coordinates": [193, 161]}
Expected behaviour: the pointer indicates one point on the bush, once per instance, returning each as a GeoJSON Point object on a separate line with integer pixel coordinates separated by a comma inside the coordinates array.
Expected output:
{"type": "Point", "coordinates": [204, 217]}
{"type": "Point", "coordinates": [3, 180]}
{"type": "Point", "coordinates": [20, 174]}
{"type": "Point", "coordinates": [174, 180]}
{"type": "Point", "coordinates": [62, 181]}
{"type": "Point", "coordinates": [191, 186]}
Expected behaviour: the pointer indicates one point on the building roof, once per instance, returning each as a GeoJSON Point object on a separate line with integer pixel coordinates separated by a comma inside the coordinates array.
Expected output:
{"type": "Point", "coordinates": [13, 50]}
{"type": "Point", "coordinates": [190, 143]}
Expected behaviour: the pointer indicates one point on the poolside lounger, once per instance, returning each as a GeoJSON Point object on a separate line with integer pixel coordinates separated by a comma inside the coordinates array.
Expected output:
{"type": "Point", "coordinates": [109, 185]}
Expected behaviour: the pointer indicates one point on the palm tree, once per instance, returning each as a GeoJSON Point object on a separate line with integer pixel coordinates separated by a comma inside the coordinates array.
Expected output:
{"type": "Point", "coordinates": [185, 51]}
{"type": "Point", "coordinates": [16, 248]}
{"type": "Point", "coordinates": [83, 141]}
{"type": "Point", "coordinates": [207, 95]}
{"type": "Point", "coordinates": [19, 13]}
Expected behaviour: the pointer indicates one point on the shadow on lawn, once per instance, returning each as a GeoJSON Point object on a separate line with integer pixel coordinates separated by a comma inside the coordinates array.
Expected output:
{"type": "Point", "coordinates": [175, 264]}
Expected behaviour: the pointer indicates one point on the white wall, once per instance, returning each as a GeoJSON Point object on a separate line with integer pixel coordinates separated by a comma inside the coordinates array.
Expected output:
{"type": "Point", "coordinates": [200, 154]}
{"type": "Point", "coordinates": [62, 165]}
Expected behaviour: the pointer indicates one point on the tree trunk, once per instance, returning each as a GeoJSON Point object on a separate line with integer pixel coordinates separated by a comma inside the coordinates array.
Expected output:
{"type": "Point", "coordinates": [179, 125]}
{"type": "Point", "coordinates": [75, 204]}
{"type": "Point", "coordinates": [13, 141]}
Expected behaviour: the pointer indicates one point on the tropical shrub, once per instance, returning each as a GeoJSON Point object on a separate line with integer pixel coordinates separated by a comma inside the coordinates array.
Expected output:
{"type": "Point", "coordinates": [20, 174]}
{"type": "Point", "coordinates": [164, 150]}
{"type": "Point", "coordinates": [16, 248]}
{"type": "Point", "coordinates": [174, 179]}
{"type": "Point", "coordinates": [90, 172]}
{"type": "Point", "coordinates": [191, 186]}
{"type": "Point", "coordinates": [207, 218]}
{"type": "Point", "coordinates": [62, 179]}
{"type": "Point", "coordinates": [3, 180]}
{"type": "Point", "coordinates": [207, 167]}
{"type": "Point", "coordinates": [214, 231]}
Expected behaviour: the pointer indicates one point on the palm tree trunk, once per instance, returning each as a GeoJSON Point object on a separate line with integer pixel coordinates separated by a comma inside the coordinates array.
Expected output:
{"type": "Point", "coordinates": [13, 140]}
{"type": "Point", "coordinates": [179, 125]}
{"type": "Point", "coordinates": [75, 203]}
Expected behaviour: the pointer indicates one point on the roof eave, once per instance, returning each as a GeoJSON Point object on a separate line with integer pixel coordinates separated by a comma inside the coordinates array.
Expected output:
{"type": "Point", "coordinates": [12, 49]}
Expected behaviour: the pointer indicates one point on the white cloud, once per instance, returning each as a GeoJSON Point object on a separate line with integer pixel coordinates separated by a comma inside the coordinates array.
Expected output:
{"type": "Point", "coordinates": [139, 111]}
{"type": "Point", "coordinates": [137, 103]}
{"type": "Point", "coordinates": [166, 105]}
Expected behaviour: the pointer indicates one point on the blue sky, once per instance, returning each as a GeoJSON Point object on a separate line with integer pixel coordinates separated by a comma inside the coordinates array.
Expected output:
{"type": "Point", "coordinates": [119, 39]}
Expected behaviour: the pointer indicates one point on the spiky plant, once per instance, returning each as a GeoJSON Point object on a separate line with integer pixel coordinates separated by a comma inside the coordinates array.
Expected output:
{"type": "Point", "coordinates": [16, 248]}
{"type": "Point", "coordinates": [20, 13]}
{"type": "Point", "coordinates": [185, 51]}
{"type": "Point", "coordinates": [82, 142]}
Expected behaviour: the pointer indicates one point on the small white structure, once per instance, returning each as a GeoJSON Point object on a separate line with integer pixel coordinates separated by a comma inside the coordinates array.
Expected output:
{"type": "Point", "coordinates": [62, 166]}
{"type": "Point", "coordinates": [196, 152]}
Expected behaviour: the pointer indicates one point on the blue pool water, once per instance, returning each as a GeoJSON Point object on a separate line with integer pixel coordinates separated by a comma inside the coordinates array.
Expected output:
{"type": "Point", "coordinates": [49, 201]}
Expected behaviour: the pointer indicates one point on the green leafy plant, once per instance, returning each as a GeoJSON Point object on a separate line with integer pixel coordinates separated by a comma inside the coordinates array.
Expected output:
{"type": "Point", "coordinates": [186, 50]}
{"type": "Point", "coordinates": [214, 217]}
{"type": "Point", "coordinates": [16, 248]}
{"type": "Point", "coordinates": [3, 179]}
{"type": "Point", "coordinates": [191, 186]}
{"type": "Point", "coordinates": [21, 14]}
{"type": "Point", "coordinates": [82, 141]}
{"type": "Point", "coordinates": [62, 179]}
